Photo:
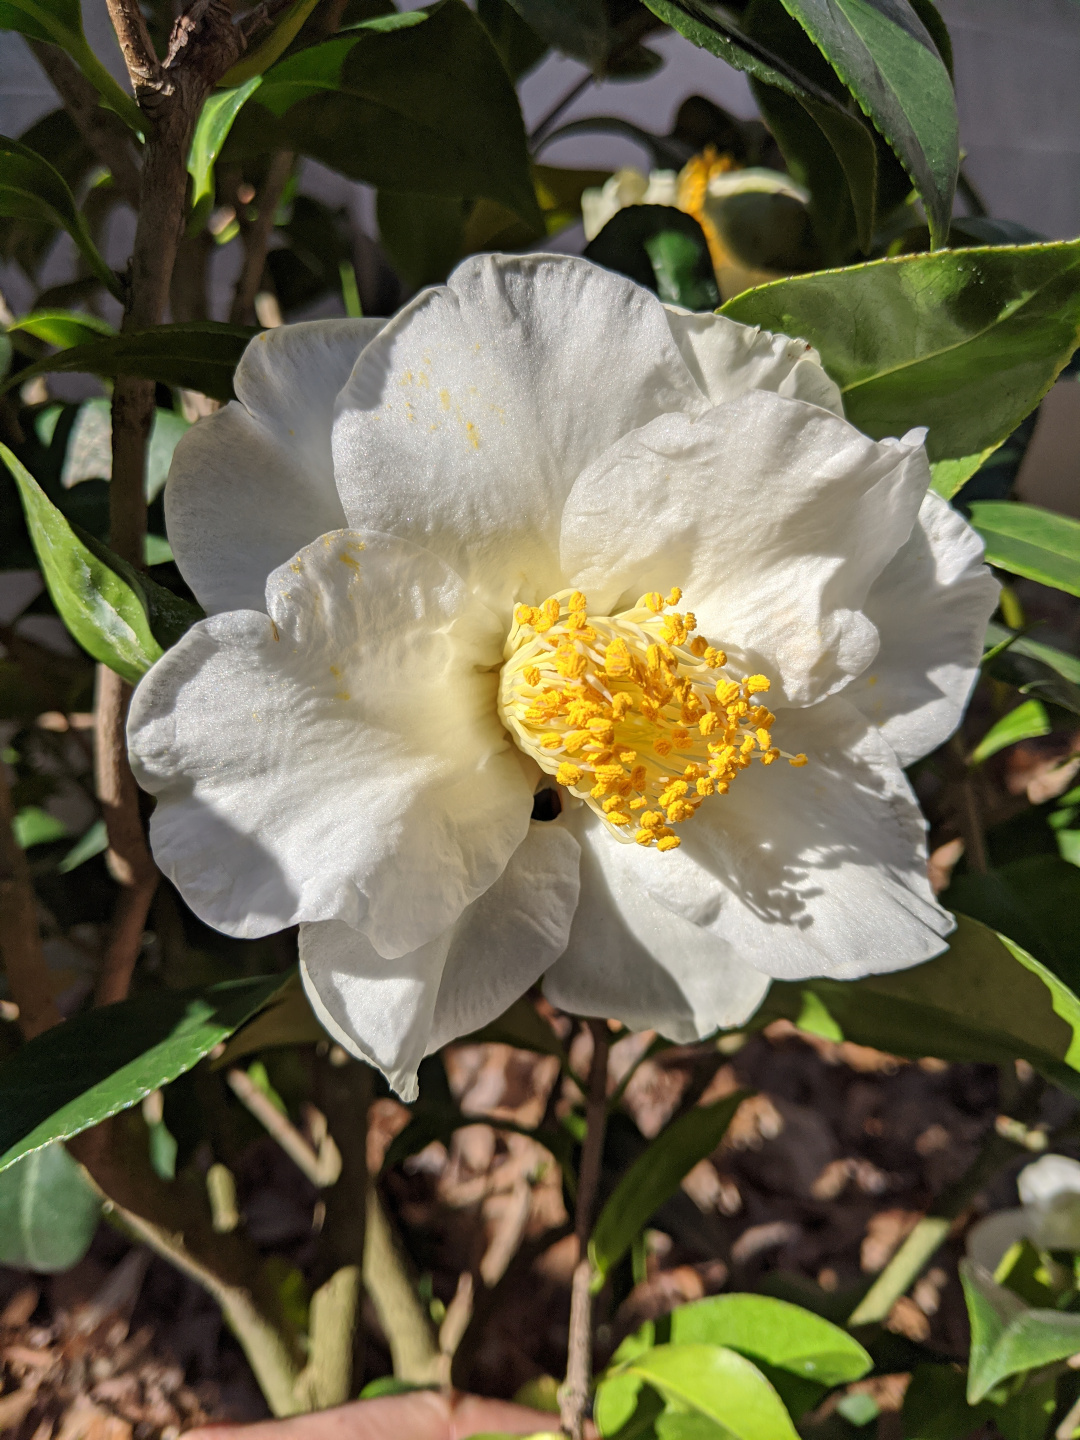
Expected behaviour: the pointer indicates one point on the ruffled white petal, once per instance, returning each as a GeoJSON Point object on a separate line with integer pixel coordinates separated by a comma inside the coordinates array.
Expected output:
{"type": "Point", "coordinates": [728, 359]}
{"type": "Point", "coordinates": [466, 422]}
{"type": "Point", "coordinates": [339, 758]}
{"type": "Point", "coordinates": [930, 605]}
{"type": "Point", "coordinates": [254, 483]}
{"type": "Point", "coordinates": [393, 1012]}
{"type": "Point", "coordinates": [819, 870]}
{"type": "Point", "coordinates": [774, 516]}
{"type": "Point", "coordinates": [632, 959]}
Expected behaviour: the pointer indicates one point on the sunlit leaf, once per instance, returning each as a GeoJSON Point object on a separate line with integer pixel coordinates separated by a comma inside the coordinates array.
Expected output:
{"type": "Point", "coordinates": [1027, 540]}
{"type": "Point", "coordinates": [215, 121]}
{"type": "Point", "coordinates": [1027, 721]}
{"type": "Point", "coordinates": [48, 1212]}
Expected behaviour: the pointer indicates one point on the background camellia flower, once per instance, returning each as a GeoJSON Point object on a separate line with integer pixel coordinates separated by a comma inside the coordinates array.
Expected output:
{"type": "Point", "coordinates": [541, 530]}
{"type": "Point", "coordinates": [703, 188]}
{"type": "Point", "coordinates": [1048, 1214]}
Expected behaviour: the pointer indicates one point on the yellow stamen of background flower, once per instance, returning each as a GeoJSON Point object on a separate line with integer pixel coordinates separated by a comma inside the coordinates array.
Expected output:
{"type": "Point", "coordinates": [634, 698]}
{"type": "Point", "coordinates": [693, 186]}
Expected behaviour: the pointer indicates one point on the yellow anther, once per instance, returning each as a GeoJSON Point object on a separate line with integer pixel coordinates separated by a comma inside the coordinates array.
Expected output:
{"type": "Point", "coordinates": [798, 761]}
{"type": "Point", "coordinates": [617, 659]}
{"type": "Point", "coordinates": [631, 699]}
{"type": "Point", "coordinates": [547, 616]}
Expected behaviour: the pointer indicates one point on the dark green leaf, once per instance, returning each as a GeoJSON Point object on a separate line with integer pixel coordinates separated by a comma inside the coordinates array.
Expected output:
{"type": "Point", "coordinates": [30, 188]}
{"type": "Point", "coordinates": [48, 1212]}
{"type": "Point", "coordinates": [60, 21]}
{"type": "Point", "coordinates": [966, 343]}
{"type": "Point", "coordinates": [1007, 1337]}
{"type": "Point", "coordinates": [661, 248]}
{"type": "Point", "coordinates": [62, 327]}
{"type": "Point", "coordinates": [936, 1408]}
{"type": "Point", "coordinates": [522, 1027]}
{"type": "Point", "coordinates": [1028, 720]}
{"type": "Point", "coordinates": [101, 610]}
{"type": "Point", "coordinates": [287, 1020]}
{"type": "Point", "coordinates": [199, 355]}
{"type": "Point", "coordinates": [518, 44]}
{"type": "Point", "coordinates": [885, 57]}
{"type": "Point", "coordinates": [168, 615]}
{"type": "Point", "coordinates": [718, 1385]}
{"type": "Point", "coordinates": [1027, 540]}
{"type": "Point", "coordinates": [428, 108]}
{"type": "Point", "coordinates": [655, 1176]}
{"type": "Point", "coordinates": [985, 999]}
{"type": "Point", "coordinates": [1061, 661]}
{"type": "Point", "coordinates": [106, 1060]}
{"type": "Point", "coordinates": [1035, 901]}
{"type": "Point", "coordinates": [422, 233]}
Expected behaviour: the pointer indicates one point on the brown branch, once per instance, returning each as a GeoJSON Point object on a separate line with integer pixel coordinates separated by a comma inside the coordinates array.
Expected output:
{"type": "Point", "coordinates": [257, 237]}
{"type": "Point", "coordinates": [105, 133]}
{"type": "Point", "coordinates": [574, 1392]}
{"type": "Point", "coordinates": [20, 938]}
{"type": "Point", "coordinates": [128, 856]}
{"type": "Point", "coordinates": [143, 66]}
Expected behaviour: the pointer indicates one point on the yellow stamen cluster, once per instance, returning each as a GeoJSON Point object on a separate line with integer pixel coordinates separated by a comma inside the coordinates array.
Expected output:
{"type": "Point", "coordinates": [693, 186]}
{"type": "Point", "coordinates": [629, 713]}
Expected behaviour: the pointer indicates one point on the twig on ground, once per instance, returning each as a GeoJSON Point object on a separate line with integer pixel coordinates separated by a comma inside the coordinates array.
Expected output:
{"type": "Point", "coordinates": [322, 1166]}
{"type": "Point", "coordinates": [413, 1347]}
{"type": "Point", "coordinates": [327, 1377]}
{"type": "Point", "coordinates": [574, 1392]}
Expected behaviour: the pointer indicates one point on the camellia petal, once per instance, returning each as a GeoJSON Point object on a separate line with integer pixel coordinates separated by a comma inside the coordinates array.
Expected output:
{"type": "Point", "coordinates": [930, 605]}
{"type": "Point", "coordinates": [631, 959]}
{"type": "Point", "coordinates": [775, 518]}
{"type": "Point", "coordinates": [393, 1012]}
{"type": "Point", "coordinates": [728, 359]}
{"type": "Point", "coordinates": [254, 483]}
{"type": "Point", "coordinates": [338, 758]}
{"type": "Point", "coordinates": [467, 421]}
{"type": "Point", "coordinates": [819, 870]}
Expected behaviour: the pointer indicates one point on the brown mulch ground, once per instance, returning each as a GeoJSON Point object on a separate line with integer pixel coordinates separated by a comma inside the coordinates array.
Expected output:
{"type": "Point", "coordinates": [823, 1172]}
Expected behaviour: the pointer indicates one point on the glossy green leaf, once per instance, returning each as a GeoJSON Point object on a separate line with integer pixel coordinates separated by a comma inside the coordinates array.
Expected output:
{"type": "Point", "coordinates": [655, 1176]}
{"type": "Point", "coordinates": [106, 1060]}
{"type": "Point", "coordinates": [423, 234]}
{"type": "Point", "coordinates": [1007, 1336]}
{"type": "Point", "coordinates": [215, 121]}
{"type": "Point", "coordinates": [48, 1212]}
{"type": "Point", "coordinates": [1027, 721]}
{"type": "Point", "coordinates": [1035, 900]}
{"type": "Point", "coordinates": [718, 1385]}
{"type": "Point", "coordinates": [31, 189]}
{"type": "Point", "coordinates": [518, 44]}
{"type": "Point", "coordinates": [287, 1020]}
{"type": "Point", "coordinates": [1027, 540]}
{"type": "Point", "coordinates": [62, 327]}
{"type": "Point", "coordinates": [34, 826]}
{"type": "Point", "coordinates": [661, 248]}
{"type": "Point", "coordinates": [885, 57]}
{"type": "Point", "coordinates": [1061, 661]}
{"type": "Point", "coordinates": [985, 999]}
{"type": "Point", "coordinates": [60, 21]}
{"type": "Point", "coordinates": [774, 1331]}
{"type": "Point", "coordinates": [966, 343]}
{"type": "Point", "coordinates": [94, 842]}
{"type": "Point", "coordinates": [251, 67]}
{"type": "Point", "coordinates": [169, 615]}
{"type": "Point", "coordinates": [199, 355]}
{"type": "Point", "coordinates": [100, 609]}
{"type": "Point", "coordinates": [428, 108]}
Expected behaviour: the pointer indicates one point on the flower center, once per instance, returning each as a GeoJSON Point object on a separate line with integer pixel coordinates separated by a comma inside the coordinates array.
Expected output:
{"type": "Point", "coordinates": [631, 712]}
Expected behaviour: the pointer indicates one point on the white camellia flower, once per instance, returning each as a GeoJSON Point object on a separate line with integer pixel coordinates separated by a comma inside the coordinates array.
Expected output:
{"type": "Point", "coordinates": [444, 560]}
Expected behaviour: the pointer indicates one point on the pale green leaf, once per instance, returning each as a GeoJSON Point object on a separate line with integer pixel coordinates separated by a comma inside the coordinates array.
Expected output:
{"type": "Point", "coordinates": [48, 1212]}
{"type": "Point", "coordinates": [1027, 721]}
{"type": "Point", "coordinates": [1027, 540]}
